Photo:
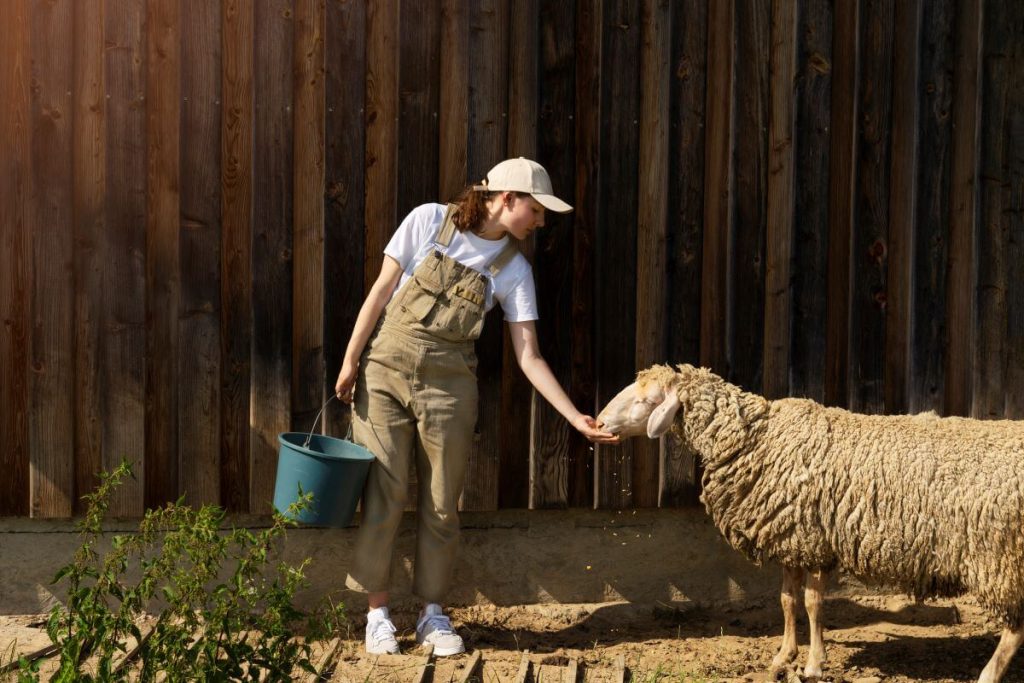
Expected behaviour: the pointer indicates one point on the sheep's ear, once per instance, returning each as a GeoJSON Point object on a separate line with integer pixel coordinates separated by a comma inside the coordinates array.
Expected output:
{"type": "Point", "coordinates": [661, 417]}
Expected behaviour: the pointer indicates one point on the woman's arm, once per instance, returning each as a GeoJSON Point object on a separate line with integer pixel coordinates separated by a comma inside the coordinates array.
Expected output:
{"type": "Point", "coordinates": [376, 300]}
{"type": "Point", "coordinates": [524, 341]}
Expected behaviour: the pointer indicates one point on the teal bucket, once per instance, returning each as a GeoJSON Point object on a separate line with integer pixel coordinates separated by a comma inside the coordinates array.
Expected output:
{"type": "Point", "coordinates": [333, 470]}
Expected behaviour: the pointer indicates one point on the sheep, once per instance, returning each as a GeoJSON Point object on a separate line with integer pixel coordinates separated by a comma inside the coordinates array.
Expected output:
{"type": "Point", "coordinates": [931, 505]}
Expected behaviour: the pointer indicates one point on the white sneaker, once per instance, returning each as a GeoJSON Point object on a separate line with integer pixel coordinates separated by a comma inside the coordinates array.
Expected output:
{"type": "Point", "coordinates": [435, 628]}
{"type": "Point", "coordinates": [380, 633]}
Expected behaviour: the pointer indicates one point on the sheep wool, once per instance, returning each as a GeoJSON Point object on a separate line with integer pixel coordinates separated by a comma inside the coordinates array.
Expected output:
{"type": "Point", "coordinates": [934, 506]}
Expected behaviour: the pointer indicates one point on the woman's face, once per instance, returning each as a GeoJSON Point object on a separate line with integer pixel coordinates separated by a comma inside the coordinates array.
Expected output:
{"type": "Point", "coordinates": [522, 215]}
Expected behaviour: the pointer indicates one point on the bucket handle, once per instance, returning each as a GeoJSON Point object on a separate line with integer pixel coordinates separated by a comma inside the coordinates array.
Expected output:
{"type": "Point", "coordinates": [312, 429]}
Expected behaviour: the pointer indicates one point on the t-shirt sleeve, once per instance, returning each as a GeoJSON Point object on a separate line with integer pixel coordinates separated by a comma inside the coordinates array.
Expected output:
{"type": "Point", "coordinates": [413, 232]}
{"type": "Point", "coordinates": [519, 302]}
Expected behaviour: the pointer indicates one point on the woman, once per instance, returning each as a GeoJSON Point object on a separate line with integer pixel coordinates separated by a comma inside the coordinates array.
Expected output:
{"type": "Point", "coordinates": [416, 392]}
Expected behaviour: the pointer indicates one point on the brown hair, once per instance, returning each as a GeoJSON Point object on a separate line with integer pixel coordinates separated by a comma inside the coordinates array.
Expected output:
{"type": "Point", "coordinates": [473, 208]}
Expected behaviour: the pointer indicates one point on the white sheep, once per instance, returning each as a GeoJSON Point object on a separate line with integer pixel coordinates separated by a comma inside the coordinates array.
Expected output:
{"type": "Point", "coordinates": [931, 505]}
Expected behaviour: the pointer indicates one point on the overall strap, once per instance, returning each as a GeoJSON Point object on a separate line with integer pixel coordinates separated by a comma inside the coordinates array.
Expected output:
{"type": "Point", "coordinates": [502, 259]}
{"type": "Point", "coordinates": [444, 238]}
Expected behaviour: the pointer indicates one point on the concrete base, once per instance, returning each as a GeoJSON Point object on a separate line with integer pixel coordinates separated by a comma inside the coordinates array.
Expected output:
{"type": "Point", "coordinates": [675, 557]}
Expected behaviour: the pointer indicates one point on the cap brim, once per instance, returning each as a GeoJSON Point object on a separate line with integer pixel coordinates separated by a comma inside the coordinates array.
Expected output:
{"type": "Point", "coordinates": [552, 203]}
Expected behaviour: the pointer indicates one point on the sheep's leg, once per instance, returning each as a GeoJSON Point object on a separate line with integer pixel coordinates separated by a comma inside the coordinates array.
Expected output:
{"type": "Point", "coordinates": [814, 596]}
{"type": "Point", "coordinates": [1008, 644]}
{"type": "Point", "coordinates": [792, 583]}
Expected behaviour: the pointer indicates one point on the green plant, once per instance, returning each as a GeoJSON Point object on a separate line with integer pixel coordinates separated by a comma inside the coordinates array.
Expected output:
{"type": "Point", "coordinates": [227, 610]}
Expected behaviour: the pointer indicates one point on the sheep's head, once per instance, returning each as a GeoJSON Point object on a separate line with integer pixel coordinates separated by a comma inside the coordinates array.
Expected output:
{"type": "Point", "coordinates": [646, 406]}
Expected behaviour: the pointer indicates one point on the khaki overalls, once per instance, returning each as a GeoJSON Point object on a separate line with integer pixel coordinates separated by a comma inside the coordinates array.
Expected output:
{"type": "Point", "coordinates": [417, 394]}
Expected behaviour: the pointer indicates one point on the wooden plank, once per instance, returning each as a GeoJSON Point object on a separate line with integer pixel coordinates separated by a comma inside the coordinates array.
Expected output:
{"type": "Point", "coordinates": [163, 277]}
{"type": "Point", "coordinates": [714, 343]}
{"type": "Point", "coordinates": [52, 407]}
{"type": "Point", "coordinates": [273, 138]}
{"type": "Point", "coordinates": [931, 230]}
{"type": "Point", "coordinates": [488, 125]}
{"type": "Point", "coordinates": [523, 674]}
{"type": "Point", "coordinates": [746, 244]}
{"type": "Point", "coordinates": [572, 671]}
{"type": "Point", "coordinates": [419, 78]}
{"type": "Point", "coordinates": [615, 254]}
{"type": "Point", "coordinates": [619, 676]}
{"type": "Point", "coordinates": [963, 210]}
{"type": "Point", "coordinates": [902, 205]}
{"type": "Point", "coordinates": [517, 394]}
{"type": "Point", "coordinates": [453, 99]}
{"type": "Point", "coordinates": [1013, 200]}
{"type": "Point", "coordinates": [425, 667]}
{"type": "Point", "coordinates": [236, 311]}
{"type": "Point", "coordinates": [466, 675]}
{"type": "Point", "coordinates": [652, 220]}
{"type": "Point", "coordinates": [558, 453]}
{"type": "Point", "coordinates": [870, 228]}
{"type": "Point", "coordinates": [15, 253]}
{"type": "Point", "coordinates": [199, 338]}
{"type": "Point", "coordinates": [123, 356]}
{"type": "Point", "coordinates": [344, 212]}
{"type": "Point", "coordinates": [679, 480]}
{"type": "Point", "coordinates": [89, 215]}
{"type": "Point", "coordinates": [780, 216]}
{"type": "Point", "coordinates": [308, 381]}
{"type": "Point", "coordinates": [586, 218]}
{"type": "Point", "coordinates": [811, 198]}
{"type": "Point", "coordinates": [842, 179]}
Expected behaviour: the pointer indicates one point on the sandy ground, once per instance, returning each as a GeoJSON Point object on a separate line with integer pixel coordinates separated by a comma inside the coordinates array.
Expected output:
{"type": "Point", "coordinates": [870, 637]}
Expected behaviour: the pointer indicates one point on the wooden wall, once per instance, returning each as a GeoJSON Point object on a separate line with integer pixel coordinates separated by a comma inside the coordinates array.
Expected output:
{"type": "Point", "coordinates": [817, 198]}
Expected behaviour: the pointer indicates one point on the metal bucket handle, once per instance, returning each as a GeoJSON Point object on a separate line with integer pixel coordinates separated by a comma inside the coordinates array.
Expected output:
{"type": "Point", "coordinates": [305, 444]}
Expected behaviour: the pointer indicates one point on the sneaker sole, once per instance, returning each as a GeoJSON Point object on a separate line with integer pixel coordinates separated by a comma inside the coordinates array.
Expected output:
{"type": "Point", "coordinates": [448, 652]}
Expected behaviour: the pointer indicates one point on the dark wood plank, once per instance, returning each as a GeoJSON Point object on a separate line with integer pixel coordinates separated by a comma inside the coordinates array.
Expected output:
{"type": "Point", "coordinates": [842, 180]}
{"type": "Point", "coordinates": [345, 151]}
{"type": "Point", "coordinates": [517, 395]}
{"type": "Point", "coordinates": [419, 77]}
{"type": "Point", "coordinates": [931, 230]}
{"type": "Point", "coordinates": [52, 408]}
{"type": "Point", "coordinates": [163, 277]}
{"type": "Point", "coordinates": [615, 254]}
{"type": "Point", "coordinates": [902, 204]}
{"type": "Point", "coordinates": [236, 311]}
{"type": "Point", "coordinates": [714, 344]}
{"type": "Point", "coordinates": [199, 335]}
{"type": "Point", "coordinates": [273, 140]}
{"type": "Point", "coordinates": [779, 201]}
{"type": "Point", "coordinates": [586, 219]}
{"type": "Point", "coordinates": [752, 107]}
{"type": "Point", "coordinates": [870, 240]}
{"type": "Point", "coordinates": [89, 162]}
{"type": "Point", "coordinates": [122, 361]}
{"type": "Point", "coordinates": [308, 381]}
{"type": "Point", "coordinates": [652, 219]}
{"type": "Point", "coordinates": [811, 198]}
{"type": "Point", "coordinates": [488, 129]}
{"type": "Point", "coordinates": [679, 477]}
{"type": "Point", "coordinates": [15, 253]}
{"type": "Point", "coordinates": [963, 209]}
{"type": "Point", "coordinates": [453, 99]}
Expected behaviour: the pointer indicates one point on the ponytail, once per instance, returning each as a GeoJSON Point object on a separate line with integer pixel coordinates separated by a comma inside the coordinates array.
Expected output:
{"type": "Point", "coordinates": [472, 205]}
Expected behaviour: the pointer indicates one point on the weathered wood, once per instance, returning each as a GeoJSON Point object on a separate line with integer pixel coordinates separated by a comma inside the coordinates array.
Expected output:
{"type": "Point", "coordinates": [475, 660]}
{"type": "Point", "coordinates": [779, 211]}
{"type": "Point", "coordinates": [931, 230]}
{"type": "Point", "coordinates": [842, 180]}
{"type": "Point", "coordinates": [122, 361]}
{"type": "Point", "coordinates": [308, 381]}
{"type": "Point", "coordinates": [746, 243]}
{"type": "Point", "coordinates": [89, 169]}
{"type": "Point", "coordinates": [425, 669]}
{"type": "Point", "coordinates": [811, 198]}
{"type": "Point", "coordinates": [619, 676]}
{"type": "Point", "coordinates": [236, 310]}
{"type": "Point", "coordinates": [523, 674]}
{"type": "Point", "coordinates": [902, 205]}
{"type": "Point", "coordinates": [963, 210]}
{"type": "Point", "coordinates": [572, 671]}
{"type": "Point", "coordinates": [273, 140]}
{"type": "Point", "coordinates": [418, 101]}
{"type": "Point", "coordinates": [869, 253]}
{"type": "Point", "coordinates": [51, 413]}
{"type": "Point", "coordinates": [16, 233]}
{"type": "Point", "coordinates": [162, 273]}
{"type": "Point", "coordinates": [453, 99]}
{"type": "Point", "coordinates": [199, 333]}
{"type": "Point", "coordinates": [345, 48]}
{"type": "Point", "coordinates": [615, 252]}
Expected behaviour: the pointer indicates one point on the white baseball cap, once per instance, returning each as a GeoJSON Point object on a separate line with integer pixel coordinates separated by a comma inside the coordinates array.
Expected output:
{"type": "Point", "coordinates": [524, 175]}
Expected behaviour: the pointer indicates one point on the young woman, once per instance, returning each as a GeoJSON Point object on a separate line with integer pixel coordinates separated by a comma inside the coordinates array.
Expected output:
{"type": "Point", "coordinates": [411, 376]}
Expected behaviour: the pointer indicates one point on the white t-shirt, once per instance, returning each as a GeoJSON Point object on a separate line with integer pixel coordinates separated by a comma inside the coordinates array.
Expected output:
{"type": "Point", "coordinates": [513, 287]}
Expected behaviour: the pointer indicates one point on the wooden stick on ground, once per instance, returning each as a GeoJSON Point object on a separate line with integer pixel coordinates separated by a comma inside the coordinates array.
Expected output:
{"type": "Point", "coordinates": [471, 665]}
{"type": "Point", "coordinates": [326, 660]}
{"type": "Point", "coordinates": [571, 671]}
{"type": "Point", "coordinates": [620, 669]}
{"type": "Point", "coordinates": [426, 664]}
{"type": "Point", "coordinates": [524, 667]}
{"type": "Point", "coordinates": [41, 653]}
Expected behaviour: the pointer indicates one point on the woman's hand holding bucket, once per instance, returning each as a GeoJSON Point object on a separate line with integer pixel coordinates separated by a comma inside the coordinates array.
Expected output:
{"type": "Point", "coordinates": [345, 386]}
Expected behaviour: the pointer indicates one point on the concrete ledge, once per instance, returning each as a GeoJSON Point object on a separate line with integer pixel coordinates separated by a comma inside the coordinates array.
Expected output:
{"type": "Point", "coordinates": [675, 557]}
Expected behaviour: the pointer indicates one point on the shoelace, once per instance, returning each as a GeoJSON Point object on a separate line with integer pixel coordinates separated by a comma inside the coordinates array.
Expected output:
{"type": "Point", "coordinates": [382, 630]}
{"type": "Point", "coordinates": [437, 623]}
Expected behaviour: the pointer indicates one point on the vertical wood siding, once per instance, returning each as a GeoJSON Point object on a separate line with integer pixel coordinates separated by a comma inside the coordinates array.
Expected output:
{"type": "Point", "coordinates": [813, 198]}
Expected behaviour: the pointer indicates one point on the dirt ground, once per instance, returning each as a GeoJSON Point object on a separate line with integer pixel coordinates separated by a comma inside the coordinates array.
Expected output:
{"type": "Point", "coordinates": [870, 637]}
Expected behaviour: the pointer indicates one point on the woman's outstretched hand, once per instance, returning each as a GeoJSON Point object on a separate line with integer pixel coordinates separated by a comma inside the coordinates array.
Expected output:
{"type": "Point", "coordinates": [346, 383]}
{"type": "Point", "coordinates": [587, 426]}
